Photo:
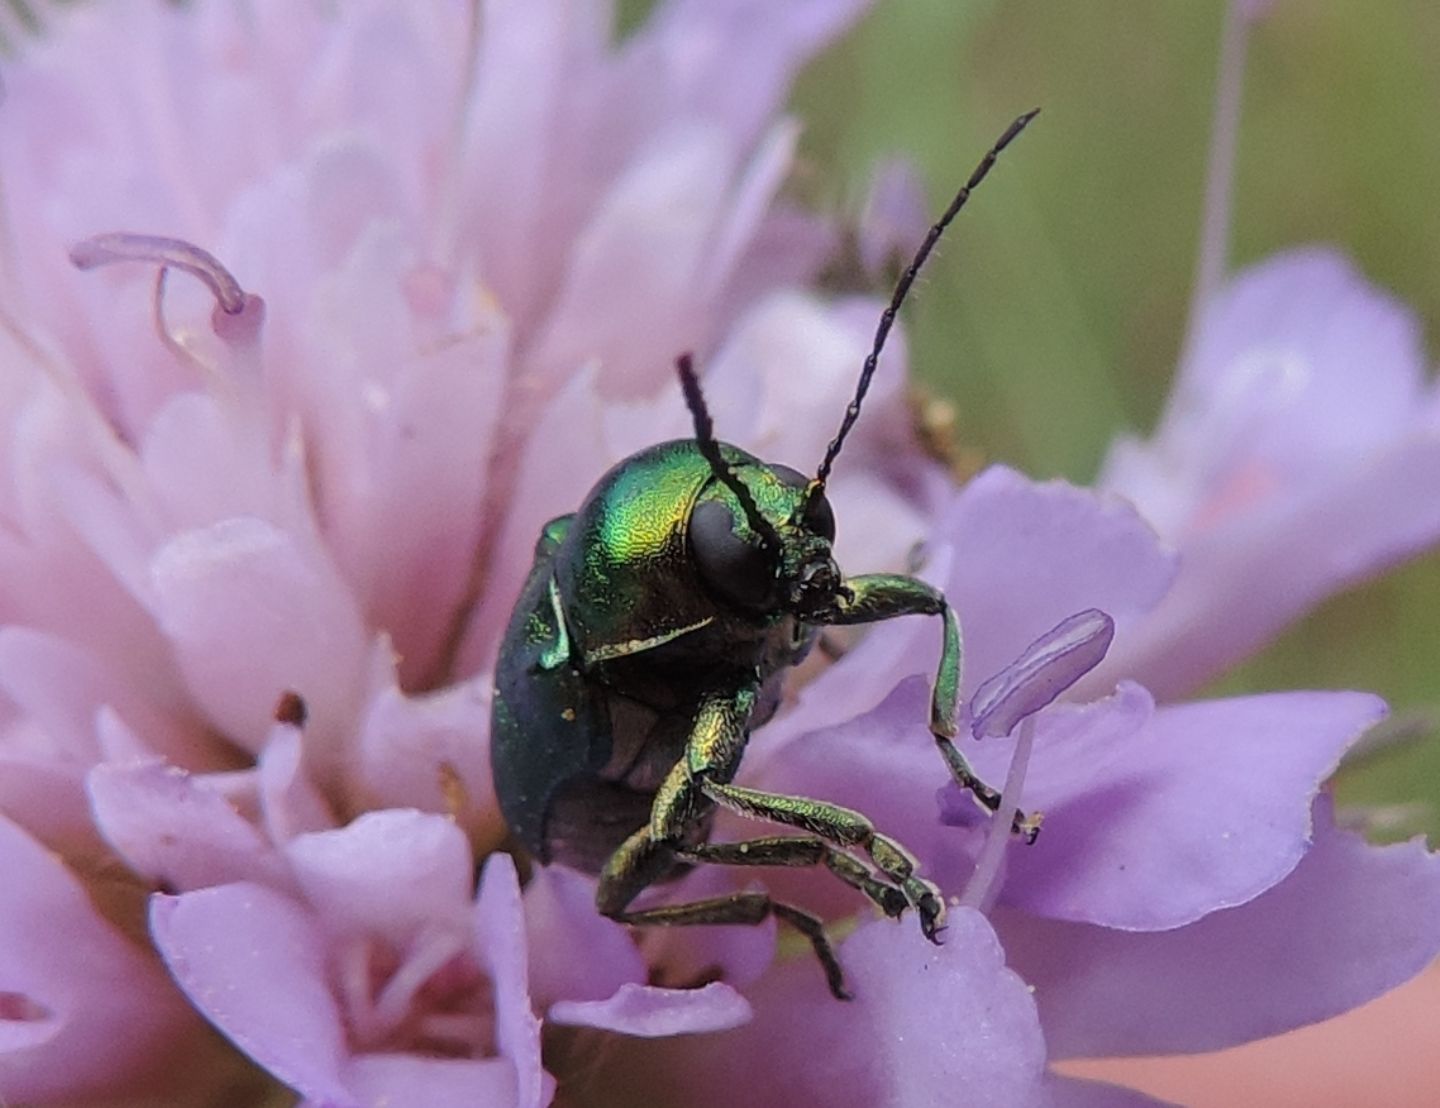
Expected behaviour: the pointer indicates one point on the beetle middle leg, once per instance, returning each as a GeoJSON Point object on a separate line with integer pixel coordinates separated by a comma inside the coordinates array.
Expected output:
{"type": "Point", "coordinates": [802, 851]}
{"type": "Point", "coordinates": [880, 596]}
{"type": "Point", "coordinates": [843, 827]}
{"type": "Point", "coordinates": [640, 861]}
{"type": "Point", "coordinates": [679, 812]}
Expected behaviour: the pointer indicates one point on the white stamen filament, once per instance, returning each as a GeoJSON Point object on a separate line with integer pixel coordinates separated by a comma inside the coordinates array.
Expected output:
{"type": "Point", "coordinates": [983, 887]}
{"type": "Point", "coordinates": [174, 342]}
{"type": "Point", "coordinates": [354, 984]}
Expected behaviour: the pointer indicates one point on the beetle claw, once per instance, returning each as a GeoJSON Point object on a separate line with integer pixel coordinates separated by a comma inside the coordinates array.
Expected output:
{"type": "Point", "coordinates": [931, 906]}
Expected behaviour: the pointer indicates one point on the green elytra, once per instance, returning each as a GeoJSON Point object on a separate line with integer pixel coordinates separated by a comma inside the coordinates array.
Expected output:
{"type": "Point", "coordinates": [653, 635]}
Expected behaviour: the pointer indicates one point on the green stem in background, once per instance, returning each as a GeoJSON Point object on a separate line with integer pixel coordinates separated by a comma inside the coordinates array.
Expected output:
{"type": "Point", "coordinates": [1214, 251]}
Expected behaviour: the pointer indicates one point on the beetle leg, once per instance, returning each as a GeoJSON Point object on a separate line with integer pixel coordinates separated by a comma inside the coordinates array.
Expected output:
{"type": "Point", "coordinates": [640, 861]}
{"type": "Point", "coordinates": [880, 596]}
{"type": "Point", "coordinates": [804, 851]}
{"type": "Point", "coordinates": [716, 743]}
{"type": "Point", "coordinates": [748, 908]}
{"type": "Point", "coordinates": [843, 827]}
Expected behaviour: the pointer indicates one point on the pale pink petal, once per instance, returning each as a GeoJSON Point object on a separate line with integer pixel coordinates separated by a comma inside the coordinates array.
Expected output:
{"type": "Point", "coordinates": [252, 961]}
{"type": "Point", "coordinates": [648, 1012]}
{"type": "Point", "coordinates": [431, 752]}
{"type": "Point", "coordinates": [253, 615]}
{"type": "Point", "coordinates": [384, 1079]}
{"type": "Point", "coordinates": [389, 873]}
{"type": "Point", "coordinates": [290, 803]}
{"type": "Point", "coordinates": [173, 831]}
{"type": "Point", "coordinates": [82, 1010]}
{"type": "Point", "coordinates": [500, 935]}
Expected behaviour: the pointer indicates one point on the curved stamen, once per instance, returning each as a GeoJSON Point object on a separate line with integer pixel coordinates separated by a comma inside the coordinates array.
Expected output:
{"type": "Point", "coordinates": [123, 246]}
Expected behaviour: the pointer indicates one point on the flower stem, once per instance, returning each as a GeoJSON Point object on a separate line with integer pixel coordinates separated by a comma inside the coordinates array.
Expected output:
{"type": "Point", "coordinates": [1220, 172]}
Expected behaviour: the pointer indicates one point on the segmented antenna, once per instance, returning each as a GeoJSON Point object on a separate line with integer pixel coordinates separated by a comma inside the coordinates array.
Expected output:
{"type": "Point", "coordinates": [705, 439]}
{"type": "Point", "coordinates": [902, 288]}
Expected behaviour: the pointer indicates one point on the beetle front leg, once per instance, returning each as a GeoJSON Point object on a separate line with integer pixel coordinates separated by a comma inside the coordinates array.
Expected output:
{"type": "Point", "coordinates": [881, 596]}
{"type": "Point", "coordinates": [843, 827]}
{"type": "Point", "coordinates": [716, 743]}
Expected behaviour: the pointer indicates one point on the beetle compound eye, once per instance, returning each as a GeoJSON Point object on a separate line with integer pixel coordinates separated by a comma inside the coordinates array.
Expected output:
{"type": "Point", "coordinates": [818, 519]}
{"type": "Point", "coordinates": [819, 516]}
{"type": "Point", "coordinates": [738, 570]}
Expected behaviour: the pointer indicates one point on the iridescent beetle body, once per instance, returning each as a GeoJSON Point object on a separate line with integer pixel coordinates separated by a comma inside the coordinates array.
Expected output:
{"type": "Point", "coordinates": [610, 700]}
{"type": "Point", "coordinates": [653, 635]}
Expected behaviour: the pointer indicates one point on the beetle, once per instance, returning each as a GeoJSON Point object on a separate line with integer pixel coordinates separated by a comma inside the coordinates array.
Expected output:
{"type": "Point", "coordinates": [653, 634]}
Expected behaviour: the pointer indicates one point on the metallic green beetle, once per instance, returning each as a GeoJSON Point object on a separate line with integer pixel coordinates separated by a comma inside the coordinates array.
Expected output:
{"type": "Point", "coordinates": [653, 635]}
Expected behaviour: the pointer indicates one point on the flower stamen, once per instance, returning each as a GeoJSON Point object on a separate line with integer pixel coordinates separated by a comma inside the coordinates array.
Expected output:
{"type": "Point", "coordinates": [1045, 669]}
{"type": "Point", "coordinates": [238, 315]}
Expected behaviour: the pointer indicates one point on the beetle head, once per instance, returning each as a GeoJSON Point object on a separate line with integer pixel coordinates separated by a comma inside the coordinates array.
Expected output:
{"type": "Point", "coordinates": [774, 558]}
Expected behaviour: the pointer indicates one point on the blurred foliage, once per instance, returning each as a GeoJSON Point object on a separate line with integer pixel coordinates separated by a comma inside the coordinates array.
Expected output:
{"type": "Point", "coordinates": [1053, 316]}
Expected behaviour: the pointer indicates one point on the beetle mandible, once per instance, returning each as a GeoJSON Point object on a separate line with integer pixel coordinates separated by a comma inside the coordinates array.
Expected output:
{"type": "Point", "coordinates": [653, 635]}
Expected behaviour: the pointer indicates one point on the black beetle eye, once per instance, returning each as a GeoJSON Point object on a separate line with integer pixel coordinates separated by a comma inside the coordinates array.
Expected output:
{"type": "Point", "coordinates": [738, 570]}
{"type": "Point", "coordinates": [820, 517]}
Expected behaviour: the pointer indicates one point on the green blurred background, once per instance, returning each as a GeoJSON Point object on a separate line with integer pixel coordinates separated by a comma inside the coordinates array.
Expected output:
{"type": "Point", "coordinates": [1053, 316]}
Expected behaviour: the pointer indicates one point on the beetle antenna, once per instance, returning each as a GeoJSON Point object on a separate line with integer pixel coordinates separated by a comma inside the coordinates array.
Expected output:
{"type": "Point", "coordinates": [705, 439]}
{"type": "Point", "coordinates": [902, 288]}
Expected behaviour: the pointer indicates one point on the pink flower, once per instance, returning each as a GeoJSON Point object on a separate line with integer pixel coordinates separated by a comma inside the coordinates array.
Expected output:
{"type": "Point", "coordinates": [479, 249]}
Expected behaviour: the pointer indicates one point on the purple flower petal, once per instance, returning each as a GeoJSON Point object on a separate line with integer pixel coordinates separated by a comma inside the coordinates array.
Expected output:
{"type": "Point", "coordinates": [1205, 807]}
{"type": "Point", "coordinates": [895, 218]}
{"type": "Point", "coordinates": [1015, 557]}
{"type": "Point", "coordinates": [548, 483]}
{"type": "Point", "coordinates": [62, 686]}
{"type": "Point", "coordinates": [1351, 922]}
{"type": "Point", "coordinates": [1049, 666]}
{"type": "Point", "coordinates": [82, 1010]}
{"type": "Point", "coordinates": [1286, 467]}
{"type": "Point", "coordinates": [405, 464]}
{"type": "Point", "coordinates": [930, 1025]}
{"type": "Point", "coordinates": [500, 934]}
{"type": "Point", "coordinates": [1026, 555]}
{"type": "Point", "coordinates": [883, 764]}
{"type": "Point", "coordinates": [733, 59]}
{"type": "Point", "coordinates": [1076, 745]}
{"type": "Point", "coordinates": [46, 798]}
{"type": "Point", "coordinates": [173, 830]}
{"type": "Point", "coordinates": [626, 258]}
{"type": "Point", "coordinates": [575, 953]}
{"type": "Point", "coordinates": [648, 1012]}
{"type": "Point", "coordinates": [1071, 1092]}
{"type": "Point", "coordinates": [252, 961]}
